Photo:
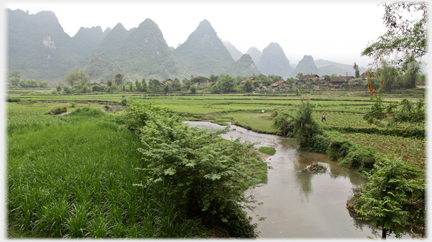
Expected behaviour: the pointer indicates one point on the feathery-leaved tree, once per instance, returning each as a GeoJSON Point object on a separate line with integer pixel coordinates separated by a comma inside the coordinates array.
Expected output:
{"type": "Point", "coordinates": [393, 197]}
{"type": "Point", "coordinates": [300, 124]}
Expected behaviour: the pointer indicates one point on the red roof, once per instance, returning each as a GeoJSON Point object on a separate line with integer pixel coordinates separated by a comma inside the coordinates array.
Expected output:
{"type": "Point", "coordinates": [276, 84]}
{"type": "Point", "coordinates": [166, 81]}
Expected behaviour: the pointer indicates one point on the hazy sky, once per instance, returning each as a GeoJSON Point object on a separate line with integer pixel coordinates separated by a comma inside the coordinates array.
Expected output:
{"type": "Point", "coordinates": [336, 31]}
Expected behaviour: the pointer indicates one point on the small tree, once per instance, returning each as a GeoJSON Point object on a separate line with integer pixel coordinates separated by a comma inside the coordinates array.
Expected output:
{"type": "Point", "coordinates": [248, 86]}
{"type": "Point", "coordinates": [176, 85]}
{"type": "Point", "coordinates": [300, 125]}
{"type": "Point", "coordinates": [154, 85]}
{"type": "Point", "coordinates": [143, 85]}
{"type": "Point", "coordinates": [16, 74]}
{"type": "Point", "coordinates": [193, 89]}
{"type": "Point", "coordinates": [392, 186]}
{"type": "Point", "coordinates": [76, 77]}
{"type": "Point", "coordinates": [167, 88]}
{"type": "Point", "coordinates": [118, 78]}
{"type": "Point", "coordinates": [356, 69]}
{"type": "Point", "coordinates": [299, 75]}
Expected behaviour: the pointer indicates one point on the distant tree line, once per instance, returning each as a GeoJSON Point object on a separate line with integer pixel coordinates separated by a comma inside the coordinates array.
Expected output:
{"type": "Point", "coordinates": [385, 79]}
{"type": "Point", "coordinates": [15, 80]}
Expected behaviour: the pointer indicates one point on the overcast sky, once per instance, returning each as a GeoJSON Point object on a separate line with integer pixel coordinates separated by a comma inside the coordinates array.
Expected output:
{"type": "Point", "coordinates": [335, 31]}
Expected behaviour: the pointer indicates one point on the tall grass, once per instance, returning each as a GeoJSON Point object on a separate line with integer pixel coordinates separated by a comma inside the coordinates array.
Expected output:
{"type": "Point", "coordinates": [74, 180]}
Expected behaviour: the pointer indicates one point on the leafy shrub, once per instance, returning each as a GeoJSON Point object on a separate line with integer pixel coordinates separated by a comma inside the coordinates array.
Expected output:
{"type": "Point", "coordinates": [319, 143]}
{"type": "Point", "coordinates": [359, 157]}
{"type": "Point", "coordinates": [338, 149]}
{"type": "Point", "coordinates": [67, 90]}
{"type": "Point", "coordinates": [393, 197]}
{"type": "Point", "coordinates": [13, 99]}
{"type": "Point", "coordinates": [87, 111]}
{"type": "Point", "coordinates": [376, 112]}
{"type": "Point", "coordinates": [208, 174]}
{"type": "Point", "coordinates": [58, 110]}
{"type": "Point", "coordinates": [73, 104]}
{"type": "Point", "coordinates": [302, 125]}
{"type": "Point", "coordinates": [136, 115]}
{"type": "Point", "coordinates": [124, 102]}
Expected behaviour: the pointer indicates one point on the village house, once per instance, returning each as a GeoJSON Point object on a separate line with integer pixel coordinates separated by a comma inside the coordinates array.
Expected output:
{"type": "Point", "coordinates": [167, 81]}
{"type": "Point", "coordinates": [339, 80]}
{"type": "Point", "coordinates": [305, 77]}
{"type": "Point", "coordinates": [278, 84]}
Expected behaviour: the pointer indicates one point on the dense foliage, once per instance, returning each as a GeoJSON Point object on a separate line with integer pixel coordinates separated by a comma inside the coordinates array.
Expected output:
{"type": "Point", "coordinates": [300, 125]}
{"type": "Point", "coordinates": [393, 197]}
{"type": "Point", "coordinates": [206, 174]}
{"type": "Point", "coordinates": [406, 35]}
{"type": "Point", "coordinates": [403, 111]}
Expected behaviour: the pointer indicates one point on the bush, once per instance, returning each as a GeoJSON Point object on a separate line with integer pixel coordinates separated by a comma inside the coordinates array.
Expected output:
{"type": "Point", "coordinates": [208, 174]}
{"type": "Point", "coordinates": [359, 158]}
{"type": "Point", "coordinates": [58, 110]}
{"type": "Point", "coordinates": [301, 124]}
{"type": "Point", "coordinates": [87, 111]}
{"type": "Point", "coordinates": [319, 143]}
{"type": "Point", "coordinates": [67, 90]}
{"type": "Point", "coordinates": [136, 115]}
{"type": "Point", "coordinates": [393, 197]}
{"type": "Point", "coordinates": [124, 102]}
{"type": "Point", "coordinates": [13, 99]}
{"type": "Point", "coordinates": [338, 149]}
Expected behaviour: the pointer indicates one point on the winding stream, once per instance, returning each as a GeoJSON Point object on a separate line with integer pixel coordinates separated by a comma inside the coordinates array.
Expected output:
{"type": "Point", "coordinates": [298, 204]}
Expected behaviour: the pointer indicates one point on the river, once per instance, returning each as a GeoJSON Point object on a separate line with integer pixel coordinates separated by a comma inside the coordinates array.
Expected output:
{"type": "Point", "coordinates": [298, 204]}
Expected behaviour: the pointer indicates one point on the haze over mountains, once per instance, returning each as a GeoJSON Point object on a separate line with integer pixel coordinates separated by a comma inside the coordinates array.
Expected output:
{"type": "Point", "coordinates": [41, 50]}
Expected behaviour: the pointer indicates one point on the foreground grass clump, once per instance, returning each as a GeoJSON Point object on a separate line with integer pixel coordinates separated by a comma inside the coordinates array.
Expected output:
{"type": "Point", "coordinates": [267, 150]}
{"type": "Point", "coordinates": [75, 180]}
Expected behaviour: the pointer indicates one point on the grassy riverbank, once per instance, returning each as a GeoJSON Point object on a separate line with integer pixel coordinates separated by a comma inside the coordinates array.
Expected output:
{"type": "Point", "coordinates": [72, 175]}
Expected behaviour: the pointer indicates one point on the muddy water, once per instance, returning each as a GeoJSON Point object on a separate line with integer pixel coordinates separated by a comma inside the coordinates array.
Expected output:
{"type": "Point", "coordinates": [297, 204]}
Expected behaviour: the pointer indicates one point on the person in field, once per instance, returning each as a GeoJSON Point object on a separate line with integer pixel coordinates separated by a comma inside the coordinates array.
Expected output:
{"type": "Point", "coordinates": [323, 118]}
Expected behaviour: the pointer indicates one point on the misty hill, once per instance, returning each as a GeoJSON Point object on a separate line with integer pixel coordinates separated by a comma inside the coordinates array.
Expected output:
{"type": "Point", "coordinates": [203, 53]}
{"type": "Point", "coordinates": [41, 50]}
{"type": "Point", "coordinates": [274, 62]}
{"type": "Point", "coordinates": [38, 46]}
{"type": "Point", "coordinates": [306, 66]}
{"type": "Point", "coordinates": [243, 67]}
{"type": "Point", "coordinates": [144, 53]}
{"type": "Point", "coordinates": [86, 40]}
{"type": "Point", "coordinates": [113, 41]}
{"type": "Point", "coordinates": [255, 54]}
{"type": "Point", "coordinates": [331, 69]}
{"type": "Point", "coordinates": [326, 66]}
{"type": "Point", "coordinates": [235, 53]}
{"type": "Point", "coordinates": [101, 67]}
